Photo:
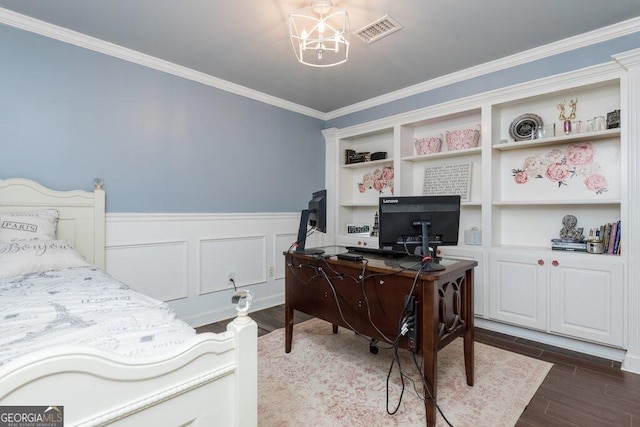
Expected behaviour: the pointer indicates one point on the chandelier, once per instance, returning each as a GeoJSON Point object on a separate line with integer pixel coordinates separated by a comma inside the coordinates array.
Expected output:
{"type": "Point", "coordinates": [320, 34]}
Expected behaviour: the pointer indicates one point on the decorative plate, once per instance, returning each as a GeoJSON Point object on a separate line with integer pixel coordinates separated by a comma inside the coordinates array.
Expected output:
{"type": "Point", "coordinates": [525, 126]}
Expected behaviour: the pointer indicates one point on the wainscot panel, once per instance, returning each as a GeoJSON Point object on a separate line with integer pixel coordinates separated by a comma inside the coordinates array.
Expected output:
{"type": "Point", "coordinates": [157, 269]}
{"type": "Point", "coordinates": [244, 258]}
{"type": "Point", "coordinates": [186, 259]}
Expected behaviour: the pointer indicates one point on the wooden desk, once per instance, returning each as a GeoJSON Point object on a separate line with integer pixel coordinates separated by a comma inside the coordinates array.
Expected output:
{"type": "Point", "coordinates": [444, 304]}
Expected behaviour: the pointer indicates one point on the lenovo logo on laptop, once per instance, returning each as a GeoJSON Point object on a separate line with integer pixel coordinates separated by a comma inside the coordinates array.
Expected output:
{"type": "Point", "coordinates": [387, 201]}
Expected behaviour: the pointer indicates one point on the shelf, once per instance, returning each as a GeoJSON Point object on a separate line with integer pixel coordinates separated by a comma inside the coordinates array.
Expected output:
{"type": "Point", "coordinates": [443, 154]}
{"type": "Point", "coordinates": [367, 164]}
{"type": "Point", "coordinates": [546, 250]}
{"type": "Point", "coordinates": [359, 205]}
{"type": "Point", "coordinates": [463, 246]}
{"type": "Point", "coordinates": [563, 139]}
{"type": "Point", "coordinates": [599, 202]}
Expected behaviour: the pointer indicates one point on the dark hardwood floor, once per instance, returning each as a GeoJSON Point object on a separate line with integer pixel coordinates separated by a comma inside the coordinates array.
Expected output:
{"type": "Point", "coordinates": [580, 390]}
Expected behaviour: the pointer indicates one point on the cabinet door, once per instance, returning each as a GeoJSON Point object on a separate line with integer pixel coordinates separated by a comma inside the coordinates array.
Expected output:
{"type": "Point", "coordinates": [518, 289]}
{"type": "Point", "coordinates": [586, 299]}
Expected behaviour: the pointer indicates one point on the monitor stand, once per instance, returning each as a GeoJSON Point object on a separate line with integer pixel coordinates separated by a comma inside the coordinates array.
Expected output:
{"type": "Point", "coordinates": [302, 236]}
{"type": "Point", "coordinates": [425, 266]}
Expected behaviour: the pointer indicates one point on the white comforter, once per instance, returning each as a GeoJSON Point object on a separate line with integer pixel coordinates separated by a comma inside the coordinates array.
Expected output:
{"type": "Point", "coordinates": [83, 305]}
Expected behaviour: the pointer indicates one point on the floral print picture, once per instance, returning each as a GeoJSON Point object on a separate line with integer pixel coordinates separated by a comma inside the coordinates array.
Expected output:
{"type": "Point", "coordinates": [378, 180]}
{"type": "Point", "coordinates": [576, 164]}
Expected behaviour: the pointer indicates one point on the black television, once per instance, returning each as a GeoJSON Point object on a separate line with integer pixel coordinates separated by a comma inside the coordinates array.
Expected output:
{"type": "Point", "coordinates": [412, 223]}
{"type": "Point", "coordinates": [315, 216]}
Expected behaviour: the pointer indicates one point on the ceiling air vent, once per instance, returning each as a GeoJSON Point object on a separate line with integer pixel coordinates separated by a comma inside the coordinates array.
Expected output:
{"type": "Point", "coordinates": [378, 29]}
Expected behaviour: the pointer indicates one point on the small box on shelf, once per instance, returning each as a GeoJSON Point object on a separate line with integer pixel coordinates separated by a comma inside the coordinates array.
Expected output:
{"type": "Point", "coordinates": [358, 229]}
{"type": "Point", "coordinates": [352, 156]}
{"type": "Point", "coordinates": [613, 119]}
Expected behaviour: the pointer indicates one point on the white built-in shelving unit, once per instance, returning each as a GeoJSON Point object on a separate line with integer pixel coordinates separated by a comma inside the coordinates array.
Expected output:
{"type": "Point", "coordinates": [571, 299]}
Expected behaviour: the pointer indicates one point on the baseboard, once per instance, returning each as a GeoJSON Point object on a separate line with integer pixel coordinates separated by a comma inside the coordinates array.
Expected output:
{"type": "Point", "coordinates": [597, 350]}
{"type": "Point", "coordinates": [229, 312]}
{"type": "Point", "coordinates": [631, 363]}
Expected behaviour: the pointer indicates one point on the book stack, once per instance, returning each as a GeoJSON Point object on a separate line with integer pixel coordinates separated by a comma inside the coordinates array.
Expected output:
{"type": "Point", "coordinates": [610, 233]}
{"type": "Point", "coordinates": [568, 245]}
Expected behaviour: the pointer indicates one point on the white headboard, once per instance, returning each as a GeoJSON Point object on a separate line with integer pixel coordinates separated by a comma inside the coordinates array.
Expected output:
{"type": "Point", "coordinates": [82, 213]}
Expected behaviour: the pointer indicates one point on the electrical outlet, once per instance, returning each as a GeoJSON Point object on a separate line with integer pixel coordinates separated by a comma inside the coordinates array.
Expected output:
{"type": "Point", "coordinates": [231, 277]}
{"type": "Point", "coordinates": [271, 272]}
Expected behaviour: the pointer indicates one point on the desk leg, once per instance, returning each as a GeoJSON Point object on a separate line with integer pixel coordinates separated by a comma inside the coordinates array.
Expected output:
{"type": "Point", "coordinates": [288, 327]}
{"type": "Point", "coordinates": [469, 333]}
{"type": "Point", "coordinates": [430, 350]}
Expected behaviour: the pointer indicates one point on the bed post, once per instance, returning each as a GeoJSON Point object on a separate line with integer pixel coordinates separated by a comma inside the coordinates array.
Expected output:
{"type": "Point", "coordinates": [99, 226]}
{"type": "Point", "coordinates": [246, 378]}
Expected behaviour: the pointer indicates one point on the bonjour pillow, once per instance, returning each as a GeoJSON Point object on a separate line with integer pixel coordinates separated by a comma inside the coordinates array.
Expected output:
{"type": "Point", "coordinates": [35, 256]}
{"type": "Point", "coordinates": [39, 225]}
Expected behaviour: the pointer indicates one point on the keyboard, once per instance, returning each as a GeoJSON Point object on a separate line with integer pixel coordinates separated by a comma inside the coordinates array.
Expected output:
{"type": "Point", "coordinates": [375, 251]}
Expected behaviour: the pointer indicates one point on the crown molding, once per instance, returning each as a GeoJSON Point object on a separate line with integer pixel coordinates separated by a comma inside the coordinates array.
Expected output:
{"type": "Point", "coordinates": [596, 36]}
{"type": "Point", "coordinates": [585, 76]}
{"type": "Point", "coordinates": [629, 60]}
{"type": "Point", "coordinates": [46, 29]}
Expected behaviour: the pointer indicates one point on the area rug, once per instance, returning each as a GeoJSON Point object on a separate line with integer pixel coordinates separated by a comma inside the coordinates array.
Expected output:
{"type": "Point", "coordinates": [334, 380]}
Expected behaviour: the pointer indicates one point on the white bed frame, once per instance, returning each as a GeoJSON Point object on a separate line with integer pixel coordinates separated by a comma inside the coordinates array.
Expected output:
{"type": "Point", "coordinates": [211, 380]}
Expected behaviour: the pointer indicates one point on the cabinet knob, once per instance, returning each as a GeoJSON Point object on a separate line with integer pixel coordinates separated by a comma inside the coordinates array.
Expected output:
{"type": "Point", "coordinates": [439, 252]}
{"type": "Point", "coordinates": [555, 263]}
{"type": "Point", "coordinates": [540, 262]}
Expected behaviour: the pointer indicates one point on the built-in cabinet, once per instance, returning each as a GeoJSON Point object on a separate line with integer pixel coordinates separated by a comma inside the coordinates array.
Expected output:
{"type": "Point", "coordinates": [519, 286]}
{"type": "Point", "coordinates": [586, 299]}
{"type": "Point", "coordinates": [566, 294]}
{"type": "Point", "coordinates": [517, 193]}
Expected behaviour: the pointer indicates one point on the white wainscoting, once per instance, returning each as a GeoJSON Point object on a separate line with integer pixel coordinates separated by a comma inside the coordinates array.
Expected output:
{"type": "Point", "coordinates": [164, 272]}
{"type": "Point", "coordinates": [187, 259]}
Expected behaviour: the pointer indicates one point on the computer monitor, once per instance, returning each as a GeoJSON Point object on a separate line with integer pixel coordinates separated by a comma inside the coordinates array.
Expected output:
{"type": "Point", "coordinates": [316, 218]}
{"type": "Point", "coordinates": [411, 223]}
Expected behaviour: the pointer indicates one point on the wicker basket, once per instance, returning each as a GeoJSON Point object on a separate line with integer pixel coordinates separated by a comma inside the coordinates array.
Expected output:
{"type": "Point", "coordinates": [463, 138]}
{"type": "Point", "coordinates": [428, 145]}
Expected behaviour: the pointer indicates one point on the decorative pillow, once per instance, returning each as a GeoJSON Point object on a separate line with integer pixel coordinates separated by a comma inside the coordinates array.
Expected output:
{"type": "Point", "coordinates": [35, 256]}
{"type": "Point", "coordinates": [39, 225]}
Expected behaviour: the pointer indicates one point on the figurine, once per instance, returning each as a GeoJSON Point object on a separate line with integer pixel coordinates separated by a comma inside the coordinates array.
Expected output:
{"type": "Point", "coordinates": [569, 230]}
{"type": "Point", "coordinates": [573, 103]}
{"type": "Point", "coordinates": [567, 119]}
{"type": "Point", "coordinates": [376, 226]}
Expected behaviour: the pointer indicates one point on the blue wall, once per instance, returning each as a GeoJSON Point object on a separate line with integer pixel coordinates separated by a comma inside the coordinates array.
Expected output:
{"type": "Point", "coordinates": [561, 63]}
{"type": "Point", "coordinates": [160, 142]}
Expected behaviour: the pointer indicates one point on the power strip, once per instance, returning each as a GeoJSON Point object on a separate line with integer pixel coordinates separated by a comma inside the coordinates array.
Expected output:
{"type": "Point", "coordinates": [412, 332]}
